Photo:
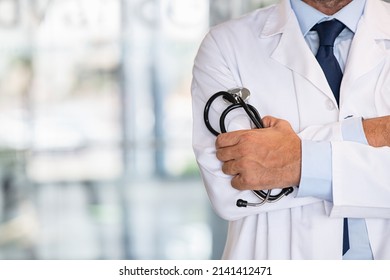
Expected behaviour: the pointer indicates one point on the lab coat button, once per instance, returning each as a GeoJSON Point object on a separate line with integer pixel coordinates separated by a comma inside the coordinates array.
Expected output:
{"type": "Point", "coordinates": [330, 106]}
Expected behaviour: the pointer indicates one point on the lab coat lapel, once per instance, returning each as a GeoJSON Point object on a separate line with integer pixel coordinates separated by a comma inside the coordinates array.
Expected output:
{"type": "Point", "coordinates": [292, 50]}
{"type": "Point", "coordinates": [365, 54]}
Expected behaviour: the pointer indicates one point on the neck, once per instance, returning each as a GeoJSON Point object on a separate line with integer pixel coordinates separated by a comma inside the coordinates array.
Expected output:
{"type": "Point", "coordinates": [328, 7]}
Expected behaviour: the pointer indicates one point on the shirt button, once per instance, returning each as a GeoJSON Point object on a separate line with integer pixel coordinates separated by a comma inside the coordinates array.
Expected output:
{"type": "Point", "coordinates": [329, 105]}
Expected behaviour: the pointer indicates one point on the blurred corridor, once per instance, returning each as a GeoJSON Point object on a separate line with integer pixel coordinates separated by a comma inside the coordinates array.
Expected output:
{"type": "Point", "coordinates": [95, 140]}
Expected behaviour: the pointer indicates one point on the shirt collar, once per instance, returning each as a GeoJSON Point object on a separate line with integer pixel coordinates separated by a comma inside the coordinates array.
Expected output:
{"type": "Point", "coordinates": [308, 16]}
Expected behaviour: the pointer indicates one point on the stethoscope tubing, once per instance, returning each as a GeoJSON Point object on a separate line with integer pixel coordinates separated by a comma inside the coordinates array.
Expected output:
{"type": "Point", "coordinates": [236, 103]}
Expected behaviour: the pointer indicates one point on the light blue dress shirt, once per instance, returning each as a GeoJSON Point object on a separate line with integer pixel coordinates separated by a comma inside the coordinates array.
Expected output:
{"type": "Point", "coordinates": [313, 152]}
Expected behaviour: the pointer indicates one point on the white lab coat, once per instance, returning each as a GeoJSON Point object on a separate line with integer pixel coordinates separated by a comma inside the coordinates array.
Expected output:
{"type": "Point", "coordinates": [265, 52]}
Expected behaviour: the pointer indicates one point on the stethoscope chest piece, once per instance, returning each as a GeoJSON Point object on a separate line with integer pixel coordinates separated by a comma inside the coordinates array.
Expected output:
{"type": "Point", "coordinates": [243, 93]}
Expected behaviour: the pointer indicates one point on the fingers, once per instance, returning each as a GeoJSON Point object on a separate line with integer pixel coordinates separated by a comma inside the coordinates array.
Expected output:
{"type": "Point", "coordinates": [235, 145]}
{"type": "Point", "coordinates": [236, 182]}
{"type": "Point", "coordinates": [269, 121]}
{"type": "Point", "coordinates": [245, 175]}
{"type": "Point", "coordinates": [234, 137]}
{"type": "Point", "coordinates": [260, 158]}
{"type": "Point", "coordinates": [244, 181]}
{"type": "Point", "coordinates": [226, 154]}
{"type": "Point", "coordinates": [228, 139]}
{"type": "Point", "coordinates": [230, 168]}
{"type": "Point", "coordinates": [240, 181]}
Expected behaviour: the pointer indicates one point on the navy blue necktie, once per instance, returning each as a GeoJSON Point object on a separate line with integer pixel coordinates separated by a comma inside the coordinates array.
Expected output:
{"type": "Point", "coordinates": [327, 33]}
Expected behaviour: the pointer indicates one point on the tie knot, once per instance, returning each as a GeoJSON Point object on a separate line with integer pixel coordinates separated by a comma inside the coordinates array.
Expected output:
{"type": "Point", "coordinates": [328, 31]}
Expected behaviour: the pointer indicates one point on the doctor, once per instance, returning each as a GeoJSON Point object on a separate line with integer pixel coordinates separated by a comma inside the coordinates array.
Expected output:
{"type": "Point", "coordinates": [331, 143]}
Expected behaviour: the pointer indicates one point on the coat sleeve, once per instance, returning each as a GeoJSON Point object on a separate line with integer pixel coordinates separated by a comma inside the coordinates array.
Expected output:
{"type": "Point", "coordinates": [211, 73]}
{"type": "Point", "coordinates": [361, 180]}
{"type": "Point", "coordinates": [360, 174]}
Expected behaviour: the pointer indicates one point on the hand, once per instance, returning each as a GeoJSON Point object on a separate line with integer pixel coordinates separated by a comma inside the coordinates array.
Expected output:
{"type": "Point", "coordinates": [260, 159]}
{"type": "Point", "coordinates": [377, 131]}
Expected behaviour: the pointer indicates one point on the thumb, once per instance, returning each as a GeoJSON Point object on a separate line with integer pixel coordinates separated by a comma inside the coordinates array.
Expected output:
{"type": "Point", "coordinates": [269, 121]}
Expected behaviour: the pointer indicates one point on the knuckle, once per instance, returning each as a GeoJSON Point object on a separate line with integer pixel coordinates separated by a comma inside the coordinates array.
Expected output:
{"type": "Point", "coordinates": [246, 165]}
{"type": "Point", "coordinates": [235, 184]}
{"type": "Point", "coordinates": [218, 154]}
{"type": "Point", "coordinates": [266, 118]}
{"type": "Point", "coordinates": [218, 141]}
{"type": "Point", "coordinates": [245, 150]}
{"type": "Point", "coordinates": [226, 168]}
{"type": "Point", "coordinates": [249, 181]}
{"type": "Point", "coordinates": [247, 143]}
{"type": "Point", "coordinates": [246, 137]}
{"type": "Point", "coordinates": [238, 182]}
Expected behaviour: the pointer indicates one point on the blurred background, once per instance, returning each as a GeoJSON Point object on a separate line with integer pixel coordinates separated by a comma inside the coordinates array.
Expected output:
{"type": "Point", "coordinates": [95, 129]}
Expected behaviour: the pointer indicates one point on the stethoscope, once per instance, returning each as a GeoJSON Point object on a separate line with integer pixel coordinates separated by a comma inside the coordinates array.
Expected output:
{"type": "Point", "coordinates": [236, 98]}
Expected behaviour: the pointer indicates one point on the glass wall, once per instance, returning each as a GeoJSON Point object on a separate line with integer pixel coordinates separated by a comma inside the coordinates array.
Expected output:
{"type": "Point", "coordinates": [95, 140]}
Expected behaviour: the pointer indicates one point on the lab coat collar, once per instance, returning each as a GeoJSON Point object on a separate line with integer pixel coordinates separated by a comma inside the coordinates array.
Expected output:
{"type": "Point", "coordinates": [292, 50]}
{"type": "Point", "coordinates": [277, 19]}
{"type": "Point", "coordinates": [376, 16]}
{"type": "Point", "coordinates": [368, 53]}
{"type": "Point", "coordinates": [309, 16]}
{"type": "Point", "coordinates": [367, 49]}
